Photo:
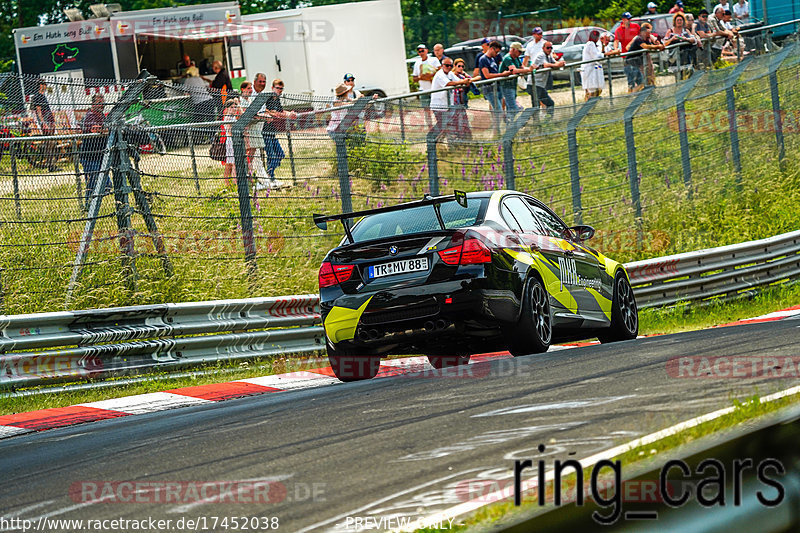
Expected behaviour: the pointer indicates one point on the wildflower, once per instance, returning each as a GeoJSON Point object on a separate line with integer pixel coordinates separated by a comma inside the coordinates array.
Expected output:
{"type": "Point", "coordinates": [380, 204]}
{"type": "Point", "coordinates": [444, 182]}
{"type": "Point", "coordinates": [542, 172]}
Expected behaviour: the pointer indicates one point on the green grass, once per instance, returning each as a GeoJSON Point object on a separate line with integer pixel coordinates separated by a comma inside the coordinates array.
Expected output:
{"type": "Point", "coordinates": [745, 410]}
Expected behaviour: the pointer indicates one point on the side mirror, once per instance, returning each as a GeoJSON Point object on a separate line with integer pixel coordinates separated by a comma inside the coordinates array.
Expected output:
{"type": "Point", "coordinates": [582, 233]}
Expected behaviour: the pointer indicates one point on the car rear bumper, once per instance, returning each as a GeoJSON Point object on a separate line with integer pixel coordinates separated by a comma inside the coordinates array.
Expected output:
{"type": "Point", "coordinates": [402, 316]}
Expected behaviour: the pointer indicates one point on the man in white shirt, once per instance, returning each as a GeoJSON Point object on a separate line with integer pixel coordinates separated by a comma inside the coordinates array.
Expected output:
{"type": "Point", "coordinates": [532, 50]}
{"type": "Point", "coordinates": [424, 69]}
{"type": "Point", "coordinates": [441, 101]}
{"type": "Point", "coordinates": [741, 10]}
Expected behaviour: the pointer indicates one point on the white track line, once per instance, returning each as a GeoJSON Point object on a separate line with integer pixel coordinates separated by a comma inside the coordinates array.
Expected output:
{"type": "Point", "coordinates": [146, 403]}
{"type": "Point", "coordinates": [470, 506]}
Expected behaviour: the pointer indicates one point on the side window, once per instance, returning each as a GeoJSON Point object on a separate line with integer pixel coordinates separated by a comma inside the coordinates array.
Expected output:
{"type": "Point", "coordinates": [581, 37]}
{"type": "Point", "coordinates": [553, 225]}
{"type": "Point", "coordinates": [509, 218]}
{"type": "Point", "coordinates": [523, 216]}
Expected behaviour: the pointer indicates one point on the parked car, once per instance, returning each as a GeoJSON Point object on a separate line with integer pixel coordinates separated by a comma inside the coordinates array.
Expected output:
{"type": "Point", "coordinates": [469, 50]}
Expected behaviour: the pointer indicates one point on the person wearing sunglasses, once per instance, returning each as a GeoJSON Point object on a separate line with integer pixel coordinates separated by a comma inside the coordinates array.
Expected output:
{"type": "Point", "coordinates": [544, 80]}
{"type": "Point", "coordinates": [350, 81]}
{"type": "Point", "coordinates": [424, 69]}
{"type": "Point", "coordinates": [276, 121]}
{"type": "Point", "coordinates": [441, 101]}
{"type": "Point", "coordinates": [512, 62]}
{"type": "Point", "coordinates": [459, 118]}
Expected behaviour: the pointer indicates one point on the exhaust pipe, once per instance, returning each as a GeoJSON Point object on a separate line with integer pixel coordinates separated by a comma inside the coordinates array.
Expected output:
{"type": "Point", "coordinates": [373, 334]}
{"type": "Point", "coordinates": [429, 325]}
{"type": "Point", "coordinates": [441, 324]}
{"type": "Point", "coordinates": [363, 335]}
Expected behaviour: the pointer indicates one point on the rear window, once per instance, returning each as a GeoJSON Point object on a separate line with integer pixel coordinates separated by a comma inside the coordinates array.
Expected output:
{"type": "Point", "coordinates": [556, 37]}
{"type": "Point", "coordinates": [417, 220]}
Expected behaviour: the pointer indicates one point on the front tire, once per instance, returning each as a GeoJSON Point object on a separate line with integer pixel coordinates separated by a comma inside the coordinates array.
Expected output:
{"type": "Point", "coordinates": [533, 331]}
{"type": "Point", "coordinates": [624, 313]}
{"type": "Point", "coordinates": [348, 366]}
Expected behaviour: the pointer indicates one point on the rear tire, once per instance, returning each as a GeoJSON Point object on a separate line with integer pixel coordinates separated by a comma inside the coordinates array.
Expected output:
{"type": "Point", "coordinates": [624, 314]}
{"type": "Point", "coordinates": [533, 331]}
{"type": "Point", "coordinates": [447, 361]}
{"type": "Point", "coordinates": [348, 366]}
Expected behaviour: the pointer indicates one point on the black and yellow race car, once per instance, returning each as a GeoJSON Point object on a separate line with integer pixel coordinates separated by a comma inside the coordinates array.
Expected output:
{"type": "Point", "coordinates": [466, 273]}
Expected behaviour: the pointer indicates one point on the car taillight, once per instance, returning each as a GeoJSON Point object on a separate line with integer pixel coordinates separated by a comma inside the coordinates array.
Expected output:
{"type": "Point", "coordinates": [333, 274]}
{"type": "Point", "coordinates": [471, 252]}
{"type": "Point", "coordinates": [475, 252]}
{"type": "Point", "coordinates": [451, 255]}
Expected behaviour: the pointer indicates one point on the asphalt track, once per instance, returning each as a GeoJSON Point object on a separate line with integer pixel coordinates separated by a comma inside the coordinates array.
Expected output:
{"type": "Point", "coordinates": [395, 447]}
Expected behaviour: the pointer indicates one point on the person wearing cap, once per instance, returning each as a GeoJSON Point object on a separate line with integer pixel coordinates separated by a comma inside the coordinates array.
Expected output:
{"type": "Point", "coordinates": [533, 47]}
{"type": "Point", "coordinates": [544, 80]}
{"type": "Point", "coordinates": [488, 70]}
{"type": "Point", "coordinates": [425, 68]}
{"type": "Point", "coordinates": [677, 8]}
{"type": "Point", "coordinates": [592, 79]}
{"type": "Point", "coordinates": [512, 62]}
{"type": "Point", "coordinates": [652, 9]}
{"type": "Point", "coordinates": [484, 48]}
{"type": "Point", "coordinates": [343, 92]}
{"type": "Point", "coordinates": [626, 32]}
{"type": "Point", "coordinates": [350, 81]}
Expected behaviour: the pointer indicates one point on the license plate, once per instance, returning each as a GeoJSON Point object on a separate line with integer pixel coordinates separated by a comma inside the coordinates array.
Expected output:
{"type": "Point", "coordinates": [398, 267]}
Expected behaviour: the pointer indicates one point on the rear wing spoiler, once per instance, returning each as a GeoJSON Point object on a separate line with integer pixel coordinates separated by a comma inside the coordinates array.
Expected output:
{"type": "Point", "coordinates": [321, 221]}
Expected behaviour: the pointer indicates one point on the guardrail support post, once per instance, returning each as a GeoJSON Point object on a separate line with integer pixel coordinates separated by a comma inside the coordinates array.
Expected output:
{"type": "Point", "coordinates": [610, 80]}
{"type": "Point", "coordinates": [190, 136]}
{"type": "Point", "coordinates": [508, 145]}
{"type": "Point", "coordinates": [15, 178]}
{"type": "Point", "coordinates": [572, 147]}
{"type": "Point", "coordinates": [732, 126]}
{"type": "Point", "coordinates": [680, 107]}
{"type": "Point", "coordinates": [633, 172]}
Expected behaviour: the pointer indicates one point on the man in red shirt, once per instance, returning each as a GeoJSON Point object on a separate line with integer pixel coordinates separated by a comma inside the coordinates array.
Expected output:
{"type": "Point", "coordinates": [625, 33]}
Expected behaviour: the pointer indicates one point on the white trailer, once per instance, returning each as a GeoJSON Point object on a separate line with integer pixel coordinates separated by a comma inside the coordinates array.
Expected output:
{"type": "Point", "coordinates": [312, 48]}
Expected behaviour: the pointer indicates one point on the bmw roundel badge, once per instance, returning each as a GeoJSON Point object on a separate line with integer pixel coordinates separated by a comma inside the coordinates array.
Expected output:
{"type": "Point", "coordinates": [393, 250]}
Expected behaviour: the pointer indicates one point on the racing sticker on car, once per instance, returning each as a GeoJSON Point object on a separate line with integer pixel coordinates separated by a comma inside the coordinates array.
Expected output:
{"type": "Point", "coordinates": [569, 271]}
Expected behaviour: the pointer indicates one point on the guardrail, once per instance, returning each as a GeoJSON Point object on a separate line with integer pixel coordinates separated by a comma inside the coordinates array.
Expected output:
{"type": "Point", "coordinates": [719, 271]}
{"type": "Point", "coordinates": [99, 343]}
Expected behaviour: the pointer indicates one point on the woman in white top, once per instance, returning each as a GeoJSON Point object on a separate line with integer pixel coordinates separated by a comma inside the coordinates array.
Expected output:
{"type": "Point", "coordinates": [230, 115]}
{"type": "Point", "coordinates": [253, 139]}
{"type": "Point", "coordinates": [592, 79]}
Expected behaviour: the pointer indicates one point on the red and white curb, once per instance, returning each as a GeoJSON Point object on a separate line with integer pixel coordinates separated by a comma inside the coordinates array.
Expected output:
{"type": "Point", "coordinates": [20, 423]}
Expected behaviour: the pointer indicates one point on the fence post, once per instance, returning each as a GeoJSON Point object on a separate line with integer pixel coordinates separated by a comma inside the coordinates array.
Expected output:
{"type": "Point", "coordinates": [342, 164]}
{"type": "Point", "coordinates": [114, 116]}
{"type": "Point", "coordinates": [680, 108]}
{"type": "Point", "coordinates": [572, 86]}
{"type": "Point", "coordinates": [633, 172]}
{"type": "Point", "coordinates": [243, 178]}
{"type": "Point", "coordinates": [78, 186]}
{"type": "Point", "coordinates": [135, 185]}
{"type": "Point", "coordinates": [291, 150]}
{"type": "Point", "coordinates": [775, 63]}
{"type": "Point", "coordinates": [610, 80]}
{"type": "Point", "coordinates": [15, 178]}
{"type": "Point", "coordinates": [572, 146]}
{"type": "Point", "coordinates": [433, 168]}
{"type": "Point", "coordinates": [733, 129]}
{"type": "Point", "coordinates": [190, 136]}
{"type": "Point", "coordinates": [402, 121]}
{"type": "Point", "coordinates": [121, 191]}
{"type": "Point", "coordinates": [508, 145]}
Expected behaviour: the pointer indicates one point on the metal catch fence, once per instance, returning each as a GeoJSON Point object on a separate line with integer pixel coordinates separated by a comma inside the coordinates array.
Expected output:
{"type": "Point", "coordinates": [174, 194]}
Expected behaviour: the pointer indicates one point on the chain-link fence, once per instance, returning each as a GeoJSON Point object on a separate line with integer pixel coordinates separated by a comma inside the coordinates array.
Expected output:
{"type": "Point", "coordinates": [137, 192]}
